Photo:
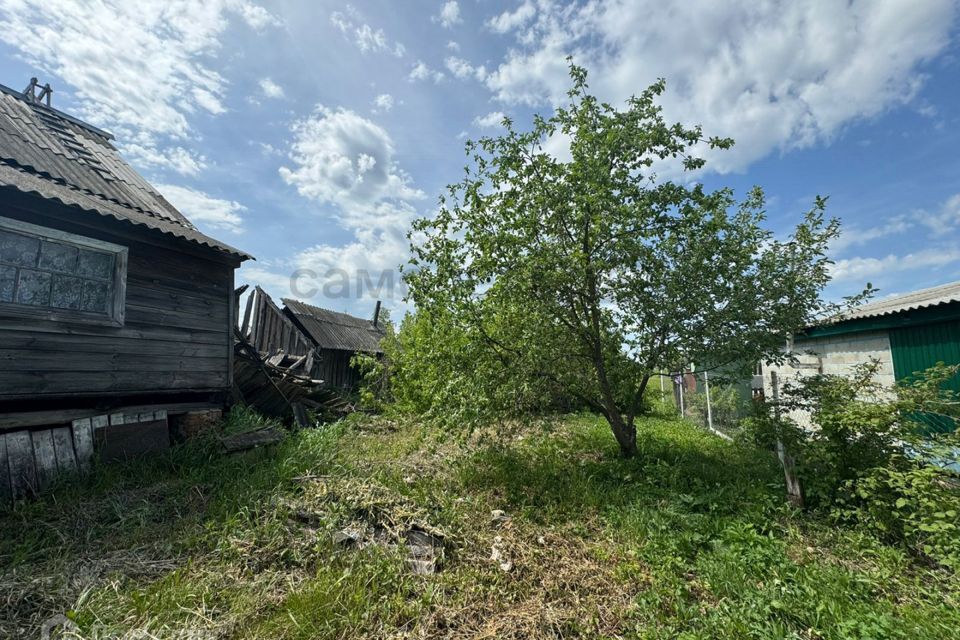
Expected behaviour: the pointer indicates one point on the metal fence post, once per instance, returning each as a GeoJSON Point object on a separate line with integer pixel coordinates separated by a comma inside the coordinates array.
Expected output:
{"type": "Point", "coordinates": [706, 383]}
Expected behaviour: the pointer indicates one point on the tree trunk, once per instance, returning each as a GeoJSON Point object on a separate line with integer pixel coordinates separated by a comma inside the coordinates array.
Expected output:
{"type": "Point", "coordinates": [626, 434]}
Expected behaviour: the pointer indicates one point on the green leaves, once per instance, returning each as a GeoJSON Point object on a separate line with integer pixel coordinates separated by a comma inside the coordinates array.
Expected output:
{"type": "Point", "coordinates": [592, 273]}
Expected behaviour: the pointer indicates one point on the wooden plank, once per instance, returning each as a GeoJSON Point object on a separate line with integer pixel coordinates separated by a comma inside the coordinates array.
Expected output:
{"type": "Point", "coordinates": [59, 382]}
{"type": "Point", "coordinates": [63, 445]}
{"type": "Point", "coordinates": [5, 492]}
{"type": "Point", "coordinates": [49, 342]}
{"type": "Point", "coordinates": [147, 330]}
{"type": "Point", "coordinates": [45, 457]}
{"type": "Point", "coordinates": [300, 415]}
{"type": "Point", "coordinates": [23, 474]}
{"type": "Point", "coordinates": [83, 440]}
{"type": "Point", "coordinates": [245, 325]}
{"type": "Point", "coordinates": [251, 440]}
{"type": "Point", "coordinates": [17, 360]}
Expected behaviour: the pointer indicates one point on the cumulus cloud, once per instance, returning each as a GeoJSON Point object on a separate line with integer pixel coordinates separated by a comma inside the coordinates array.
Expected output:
{"type": "Point", "coordinates": [863, 270]}
{"type": "Point", "coordinates": [383, 103]}
{"type": "Point", "coordinates": [510, 20]}
{"type": "Point", "coordinates": [771, 74]}
{"type": "Point", "coordinates": [449, 14]}
{"type": "Point", "coordinates": [421, 71]}
{"type": "Point", "coordinates": [342, 159]}
{"type": "Point", "coordinates": [270, 88]}
{"type": "Point", "coordinates": [462, 69]}
{"type": "Point", "coordinates": [203, 210]}
{"type": "Point", "coordinates": [157, 55]}
{"type": "Point", "coordinates": [257, 17]}
{"type": "Point", "coordinates": [369, 40]}
{"type": "Point", "coordinates": [491, 120]}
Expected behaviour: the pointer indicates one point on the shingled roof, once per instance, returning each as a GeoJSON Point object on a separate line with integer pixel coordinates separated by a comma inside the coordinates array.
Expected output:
{"type": "Point", "coordinates": [49, 153]}
{"type": "Point", "coordinates": [335, 330]}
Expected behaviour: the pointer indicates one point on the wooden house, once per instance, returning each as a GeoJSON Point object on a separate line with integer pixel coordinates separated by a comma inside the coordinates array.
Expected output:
{"type": "Point", "coordinates": [111, 301]}
{"type": "Point", "coordinates": [336, 337]}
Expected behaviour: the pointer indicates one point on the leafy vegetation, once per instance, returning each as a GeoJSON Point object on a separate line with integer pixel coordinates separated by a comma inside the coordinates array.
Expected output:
{"type": "Point", "coordinates": [689, 538]}
{"type": "Point", "coordinates": [870, 456]}
{"type": "Point", "coordinates": [543, 279]}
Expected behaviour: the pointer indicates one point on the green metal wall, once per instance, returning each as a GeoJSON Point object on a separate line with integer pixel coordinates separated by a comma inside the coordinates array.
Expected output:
{"type": "Point", "coordinates": [920, 347]}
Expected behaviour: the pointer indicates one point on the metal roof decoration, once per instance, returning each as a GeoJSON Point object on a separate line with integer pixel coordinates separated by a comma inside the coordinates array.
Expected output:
{"type": "Point", "coordinates": [335, 330]}
{"type": "Point", "coordinates": [921, 299]}
{"type": "Point", "coordinates": [54, 155]}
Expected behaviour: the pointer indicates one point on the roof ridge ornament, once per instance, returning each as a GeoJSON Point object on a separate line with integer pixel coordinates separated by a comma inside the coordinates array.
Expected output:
{"type": "Point", "coordinates": [30, 93]}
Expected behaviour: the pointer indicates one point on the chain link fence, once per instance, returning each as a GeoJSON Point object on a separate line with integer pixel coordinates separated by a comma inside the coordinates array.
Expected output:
{"type": "Point", "coordinates": [713, 403]}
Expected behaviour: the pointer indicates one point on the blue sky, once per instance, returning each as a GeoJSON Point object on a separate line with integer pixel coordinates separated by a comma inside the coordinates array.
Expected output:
{"type": "Point", "coordinates": [311, 133]}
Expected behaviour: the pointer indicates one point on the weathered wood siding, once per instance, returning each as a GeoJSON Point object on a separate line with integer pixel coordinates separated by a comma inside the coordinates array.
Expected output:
{"type": "Point", "coordinates": [335, 370]}
{"type": "Point", "coordinates": [177, 334]}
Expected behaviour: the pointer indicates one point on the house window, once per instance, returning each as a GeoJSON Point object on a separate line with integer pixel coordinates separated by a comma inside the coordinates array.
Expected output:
{"type": "Point", "coordinates": [54, 275]}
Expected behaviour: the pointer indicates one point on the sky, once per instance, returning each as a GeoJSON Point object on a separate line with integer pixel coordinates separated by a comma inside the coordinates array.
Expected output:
{"type": "Point", "coordinates": [311, 133]}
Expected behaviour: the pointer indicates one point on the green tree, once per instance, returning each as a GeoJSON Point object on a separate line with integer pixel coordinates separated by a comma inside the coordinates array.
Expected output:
{"type": "Point", "coordinates": [593, 274]}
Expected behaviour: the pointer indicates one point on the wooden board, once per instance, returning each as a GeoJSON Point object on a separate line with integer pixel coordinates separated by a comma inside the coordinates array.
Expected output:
{"type": "Point", "coordinates": [44, 456]}
{"type": "Point", "coordinates": [63, 445]}
{"type": "Point", "coordinates": [5, 492]}
{"type": "Point", "coordinates": [83, 440]}
{"type": "Point", "coordinates": [23, 474]}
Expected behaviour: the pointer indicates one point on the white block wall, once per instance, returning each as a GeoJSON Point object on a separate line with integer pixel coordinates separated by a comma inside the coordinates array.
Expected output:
{"type": "Point", "coordinates": [835, 355]}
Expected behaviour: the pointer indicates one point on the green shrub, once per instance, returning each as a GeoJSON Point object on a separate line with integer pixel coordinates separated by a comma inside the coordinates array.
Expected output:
{"type": "Point", "coordinates": [910, 502]}
{"type": "Point", "coordinates": [868, 454]}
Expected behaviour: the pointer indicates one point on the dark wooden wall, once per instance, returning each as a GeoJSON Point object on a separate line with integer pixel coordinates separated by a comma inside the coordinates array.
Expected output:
{"type": "Point", "coordinates": [335, 370]}
{"type": "Point", "coordinates": [179, 318]}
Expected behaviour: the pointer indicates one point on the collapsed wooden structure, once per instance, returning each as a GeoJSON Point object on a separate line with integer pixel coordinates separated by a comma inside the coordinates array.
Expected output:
{"type": "Point", "coordinates": [282, 369]}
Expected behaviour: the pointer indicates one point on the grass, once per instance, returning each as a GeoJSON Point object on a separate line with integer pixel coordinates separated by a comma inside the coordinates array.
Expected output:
{"type": "Point", "coordinates": [690, 539]}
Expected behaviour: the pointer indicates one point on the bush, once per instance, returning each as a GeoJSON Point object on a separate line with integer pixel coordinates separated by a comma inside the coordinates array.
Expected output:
{"type": "Point", "coordinates": [868, 455]}
{"type": "Point", "coordinates": [910, 502]}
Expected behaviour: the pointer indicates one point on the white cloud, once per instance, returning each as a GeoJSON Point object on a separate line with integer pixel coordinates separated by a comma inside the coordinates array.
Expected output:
{"type": "Point", "coordinates": [852, 236]}
{"type": "Point", "coordinates": [367, 39]}
{"type": "Point", "coordinates": [946, 220]}
{"type": "Point", "coordinates": [270, 88]}
{"type": "Point", "coordinates": [770, 74]}
{"type": "Point", "coordinates": [453, 45]}
{"type": "Point", "coordinates": [204, 210]}
{"type": "Point", "coordinates": [139, 68]}
{"type": "Point", "coordinates": [462, 69]}
{"type": "Point", "coordinates": [257, 17]}
{"type": "Point", "coordinates": [421, 71]}
{"type": "Point", "coordinates": [383, 103]}
{"type": "Point", "coordinates": [865, 270]}
{"type": "Point", "coordinates": [449, 14]}
{"type": "Point", "coordinates": [510, 20]}
{"type": "Point", "coordinates": [491, 120]}
{"type": "Point", "coordinates": [345, 160]}
{"type": "Point", "coordinates": [340, 157]}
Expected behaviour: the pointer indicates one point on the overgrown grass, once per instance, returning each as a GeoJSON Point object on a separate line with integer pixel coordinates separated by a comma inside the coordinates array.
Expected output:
{"type": "Point", "coordinates": [690, 539]}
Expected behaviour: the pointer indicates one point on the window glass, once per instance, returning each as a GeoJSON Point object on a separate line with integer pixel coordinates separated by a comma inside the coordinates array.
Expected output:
{"type": "Point", "coordinates": [58, 271]}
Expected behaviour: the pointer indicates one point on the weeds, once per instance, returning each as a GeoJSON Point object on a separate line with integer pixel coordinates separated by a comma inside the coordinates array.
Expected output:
{"type": "Point", "coordinates": [688, 538]}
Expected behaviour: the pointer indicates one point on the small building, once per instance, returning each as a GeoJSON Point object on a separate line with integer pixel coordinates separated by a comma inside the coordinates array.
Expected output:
{"type": "Point", "coordinates": [906, 334]}
{"type": "Point", "coordinates": [111, 301]}
{"type": "Point", "coordinates": [336, 338]}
